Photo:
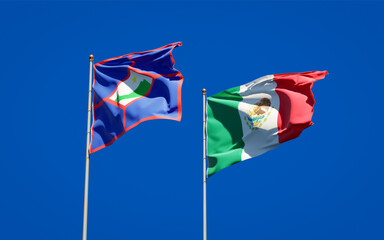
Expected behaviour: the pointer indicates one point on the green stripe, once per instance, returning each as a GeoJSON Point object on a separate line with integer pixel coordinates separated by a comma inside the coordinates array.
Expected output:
{"type": "Point", "coordinates": [224, 130]}
{"type": "Point", "coordinates": [141, 90]}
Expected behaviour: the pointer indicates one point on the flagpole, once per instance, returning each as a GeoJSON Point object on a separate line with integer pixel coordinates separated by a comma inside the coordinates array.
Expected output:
{"type": "Point", "coordinates": [204, 172]}
{"type": "Point", "coordinates": [86, 182]}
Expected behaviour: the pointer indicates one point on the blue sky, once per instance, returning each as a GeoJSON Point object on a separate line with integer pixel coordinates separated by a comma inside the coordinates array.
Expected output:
{"type": "Point", "coordinates": [327, 184]}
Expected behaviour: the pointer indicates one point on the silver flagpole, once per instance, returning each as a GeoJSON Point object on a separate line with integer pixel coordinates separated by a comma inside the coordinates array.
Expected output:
{"type": "Point", "coordinates": [86, 183]}
{"type": "Point", "coordinates": [204, 172]}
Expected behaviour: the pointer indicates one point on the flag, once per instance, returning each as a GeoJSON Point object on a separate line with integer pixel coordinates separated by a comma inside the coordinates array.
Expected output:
{"type": "Point", "coordinates": [131, 89]}
{"type": "Point", "coordinates": [246, 121]}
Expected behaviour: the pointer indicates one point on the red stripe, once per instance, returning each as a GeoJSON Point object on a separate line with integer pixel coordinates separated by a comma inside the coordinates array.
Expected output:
{"type": "Point", "coordinates": [93, 110]}
{"type": "Point", "coordinates": [296, 102]}
{"type": "Point", "coordinates": [179, 97]}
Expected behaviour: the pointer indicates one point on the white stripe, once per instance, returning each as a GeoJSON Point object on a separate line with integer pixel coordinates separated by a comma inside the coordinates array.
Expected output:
{"type": "Point", "coordinates": [263, 138]}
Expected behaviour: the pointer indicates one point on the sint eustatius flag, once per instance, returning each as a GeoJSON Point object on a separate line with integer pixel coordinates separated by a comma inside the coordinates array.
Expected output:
{"type": "Point", "coordinates": [246, 121]}
{"type": "Point", "coordinates": [131, 89]}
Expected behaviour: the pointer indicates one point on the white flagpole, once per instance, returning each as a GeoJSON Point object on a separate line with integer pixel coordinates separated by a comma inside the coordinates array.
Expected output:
{"type": "Point", "coordinates": [204, 172]}
{"type": "Point", "coordinates": [86, 183]}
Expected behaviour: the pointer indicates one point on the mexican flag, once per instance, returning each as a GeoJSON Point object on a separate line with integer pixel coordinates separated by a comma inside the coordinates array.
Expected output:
{"type": "Point", "coordinates": [246, 121]}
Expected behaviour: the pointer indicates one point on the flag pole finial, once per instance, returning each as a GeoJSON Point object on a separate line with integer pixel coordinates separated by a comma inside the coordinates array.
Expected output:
{"type": "Point", "coordinates": [204, 91]}
{"type": "Point", "coordinates": [91, 58]}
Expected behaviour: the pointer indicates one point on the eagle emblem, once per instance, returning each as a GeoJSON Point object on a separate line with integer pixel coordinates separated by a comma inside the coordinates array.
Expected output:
{"type": "Point", "coordinates": [258, 113]}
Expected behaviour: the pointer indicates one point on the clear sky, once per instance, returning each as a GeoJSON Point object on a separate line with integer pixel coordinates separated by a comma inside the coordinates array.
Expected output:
{"type": "Point", "coordinates": [326, 184]}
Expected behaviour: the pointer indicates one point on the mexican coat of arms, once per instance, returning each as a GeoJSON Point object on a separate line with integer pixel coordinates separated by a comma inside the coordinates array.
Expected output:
{"type": "Point", "coordinates": [258, 113]}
